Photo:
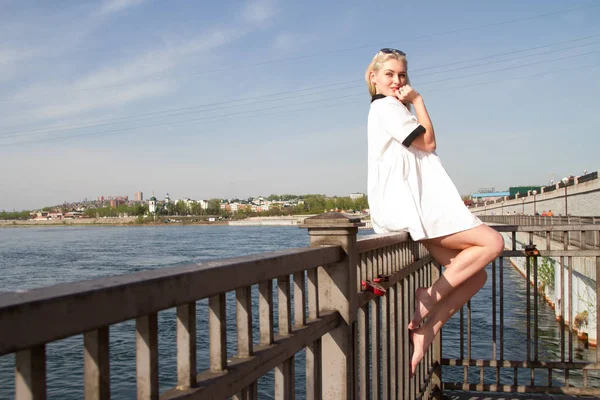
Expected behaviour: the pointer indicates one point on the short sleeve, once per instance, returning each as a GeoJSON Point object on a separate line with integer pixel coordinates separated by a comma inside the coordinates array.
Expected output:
{"type": "Point", "coordinates": [399, 123]}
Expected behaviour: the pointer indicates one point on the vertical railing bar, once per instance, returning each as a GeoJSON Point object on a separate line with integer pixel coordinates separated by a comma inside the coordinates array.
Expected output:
{"type": "Point", "coordinates": [413, 288]}
{"type": "Point", "coordinates": [147, 356]}
{"type": "Point", "coordinates": [462, 341]}
{"type": "Point", "coordinates": [244, 321]}
{"type": "Point", "coordinates": [254, 391]}
{"type": "Point", "coordinates": [363, 351]}
{"type": "Point", "coordinates": [385, 331]}
{"type": "Point", "coordinates": [96, 364]}
{"type": "Point", "coordinates": [597, 309]}
{"type": "Point", "coordinates": [529, 299]}
{"type": "Point", "coordinates": [528, 306]}
{"type": "Point", "coordinates": [284, 305]}
{"type": "Point", "coordinates": [374, 314]}
{"type": "Point", "coordinates": [405, 344]}
{"type": "Point", "coordinates": [371, 265]}
{"type": "Point", "coordinates": [562, 309]}
{"type": "Point", "coordinates": [535, 309]}
{"type": "Point", "coordinates": [400, 349]}
{"type": "Point", "coordinates": [429, 363]}
{"type": "Point", "coordinates": [364, 274]}
{"type": "Point", "coordinates": [312, 292]}
{"type": "Point", "coordinates": [313, 371]}
{"type": "Point", "coordinates": [284, 379]}
{"type": "Point", "coordinates": [393, 328]}
{"type": "Point", "coordinates": [425, 367]}
{"type": "Point", "coordinates": [418, 284]}
{"type": "Point", "coordinates": [265, 310]}
{"type": "Point", "coordinates": [299, 300]}
{"type": "Point", "coordinates": [313, 351]}
{"type": "Point", "coordinates": [186, 346]}
{"type": "Point", "coordinates": [569, 307]}
{"type": "Point", "coordinates": [30, 373]}
{"type": "Point", "coordinates": [571, 324]}
{"type": "Point", "coordinates": [501, 300]}
{"type": "Point", "coordinates": [378, 264]}
{"type": "Point", "coordinates": [468, 335]}
{"type": "Point", "coordinates": [494, 327]}
{"type": "Point", "coordinates": [217, 333]}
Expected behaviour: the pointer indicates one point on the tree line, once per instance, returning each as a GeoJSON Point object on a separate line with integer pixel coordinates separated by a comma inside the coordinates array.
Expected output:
{"type": "Point", "coordinates": [312, 204]}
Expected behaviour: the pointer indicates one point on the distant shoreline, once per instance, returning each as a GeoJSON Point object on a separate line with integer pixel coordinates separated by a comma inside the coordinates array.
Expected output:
{"type": "Point", "coordinates": [132, 221]}
{"type": "Point", "coordinates": [290, 220]}
{"type": "Point", "coordinates": [91, 222]}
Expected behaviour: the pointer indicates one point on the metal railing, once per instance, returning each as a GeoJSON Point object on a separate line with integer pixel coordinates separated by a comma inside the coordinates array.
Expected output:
{"type": "Point", "coordinates": [356, 344]}
{"type": "Point", "coordinates": [308, 299]}
{"type": "Point", "coordinates": [590, 238]}
{"type": "Point", "coordinates": [383, 321]}
{"type": "Point", "coordinates": [575, 377]}
{"type": "Point", "coordinates": [588, 177]}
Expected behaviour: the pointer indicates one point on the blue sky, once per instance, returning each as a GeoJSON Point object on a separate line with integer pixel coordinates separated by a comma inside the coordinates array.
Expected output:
{"type": "Point", "coordinates": [236, 99]}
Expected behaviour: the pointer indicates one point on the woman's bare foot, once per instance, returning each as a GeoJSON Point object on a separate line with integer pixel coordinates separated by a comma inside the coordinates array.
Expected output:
{"type": "Point", "coordinates": [423, 306]}
{"type": "Point", "coordinates": [421, 339]}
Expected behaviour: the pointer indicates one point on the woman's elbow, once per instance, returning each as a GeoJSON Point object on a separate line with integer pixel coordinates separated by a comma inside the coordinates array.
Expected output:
{"type": "Point", "coordinates": [430, 146]}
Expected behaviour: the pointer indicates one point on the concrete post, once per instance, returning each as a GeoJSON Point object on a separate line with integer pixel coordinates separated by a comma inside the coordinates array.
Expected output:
{"type": "Point", "coordinates": [337, 290]}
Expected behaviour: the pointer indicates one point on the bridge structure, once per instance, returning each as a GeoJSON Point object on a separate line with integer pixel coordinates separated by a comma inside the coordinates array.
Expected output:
{"type": "Point", "coordinates": [355, 344]}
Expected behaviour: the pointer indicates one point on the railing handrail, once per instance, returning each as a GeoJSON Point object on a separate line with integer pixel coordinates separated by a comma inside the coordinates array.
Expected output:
{"type": "Point", "coordinates": [327, 300]}
{"type": "Point", "coordinates": [372, 242]}
{"type": "Point", "coordinates": [51, 313]}
{"type": "Point", "coordinates": [547, 228]}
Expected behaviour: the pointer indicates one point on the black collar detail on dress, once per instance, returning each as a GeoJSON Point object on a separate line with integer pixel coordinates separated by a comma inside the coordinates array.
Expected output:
{"type": "Point", "coordinates": [377, 97]}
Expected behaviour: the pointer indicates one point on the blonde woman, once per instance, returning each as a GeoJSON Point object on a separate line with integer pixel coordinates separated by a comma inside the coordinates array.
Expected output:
{"type": "Point", "coordinates": [409, 191]}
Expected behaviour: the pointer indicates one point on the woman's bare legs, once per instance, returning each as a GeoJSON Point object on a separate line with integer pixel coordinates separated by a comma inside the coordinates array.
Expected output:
{"type": "Point", "coordinates": [465, 255]}
{"type": "Point", "coordinates": [423, 336]}
{"type": "Point", "coordinates": [478, 247]}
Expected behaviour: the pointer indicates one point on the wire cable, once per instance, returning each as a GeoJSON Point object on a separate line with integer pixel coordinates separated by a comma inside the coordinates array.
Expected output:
{"type": "Point", "coordinates": [228, 116]}
{"type": "Point", "coordinates": [338, 50]}
{"type": "Point", "coordinates": [272, 96]}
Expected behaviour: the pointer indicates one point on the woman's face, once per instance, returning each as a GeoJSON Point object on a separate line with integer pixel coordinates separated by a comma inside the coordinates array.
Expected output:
{"type": "Point", "coordinates": [390, 78]}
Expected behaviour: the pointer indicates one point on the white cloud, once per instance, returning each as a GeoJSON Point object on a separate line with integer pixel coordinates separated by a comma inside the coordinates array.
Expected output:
{"type": "Point", "coordinates": [8, 56]}
{"type": "Point", "coordinates": [258, 11]}
{"type": "Point", "coordinates": [110, 98]}
{"type": "Point", "coordinates": [111, 6]}
{"type": "Point", "coordinates": [145, 76]}
{"type": "Point", "coordinates": [291, 41]}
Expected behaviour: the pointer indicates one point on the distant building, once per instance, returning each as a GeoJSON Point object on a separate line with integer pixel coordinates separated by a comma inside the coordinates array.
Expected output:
{"type": "Point", "coordinates": [114, 203]}
{"type": "Point", "coordinates": [152, 205]}
{"type": "Point", "coordinates": [139, 196]}
{"type": "Point", "coordinates": [355, 196]}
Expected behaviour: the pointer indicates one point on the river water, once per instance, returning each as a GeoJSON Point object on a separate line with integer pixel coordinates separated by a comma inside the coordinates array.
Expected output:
{"type": "Point", "coordinates": [41, 256]}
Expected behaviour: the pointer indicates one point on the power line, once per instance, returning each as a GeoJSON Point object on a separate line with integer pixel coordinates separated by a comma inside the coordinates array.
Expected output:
{"type": "Point", "coordinates": [509, 59]}
{"type": "Point", "coordinates": [181, 111]}
{"type": "Point", "coordinates": [334, 51]}
{"type": "Point", "coordinates": [271, 97]}
{"type": "Point", "coordinates": [228, 116]}
{"type": "Point", "coordinates": [515, 67]}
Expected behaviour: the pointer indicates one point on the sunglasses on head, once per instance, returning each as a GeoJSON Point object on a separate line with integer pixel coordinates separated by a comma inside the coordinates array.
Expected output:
{"type": "Point", "coordinates": [389, 50]}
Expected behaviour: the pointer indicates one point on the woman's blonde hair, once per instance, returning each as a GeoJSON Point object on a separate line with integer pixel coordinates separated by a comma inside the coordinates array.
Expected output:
{"type": "Point", "coordinates": [377, 63]}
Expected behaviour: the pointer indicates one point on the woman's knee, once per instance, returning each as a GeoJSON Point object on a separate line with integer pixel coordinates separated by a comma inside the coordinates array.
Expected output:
{"type": "Point", "coordinates": [495, 244]}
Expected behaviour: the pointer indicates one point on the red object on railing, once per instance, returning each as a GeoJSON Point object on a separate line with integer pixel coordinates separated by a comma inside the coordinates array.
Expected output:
{"type": "Point", "coordinates": [373, 287]}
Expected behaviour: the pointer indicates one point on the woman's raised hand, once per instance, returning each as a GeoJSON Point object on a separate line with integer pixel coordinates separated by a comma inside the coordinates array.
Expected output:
{"type": "Point", "coordinates": [407, 94]}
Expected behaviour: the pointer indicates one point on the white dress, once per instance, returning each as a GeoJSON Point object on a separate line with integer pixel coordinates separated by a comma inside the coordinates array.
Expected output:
{"type": "Point", "coordinates": [409, 189]}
